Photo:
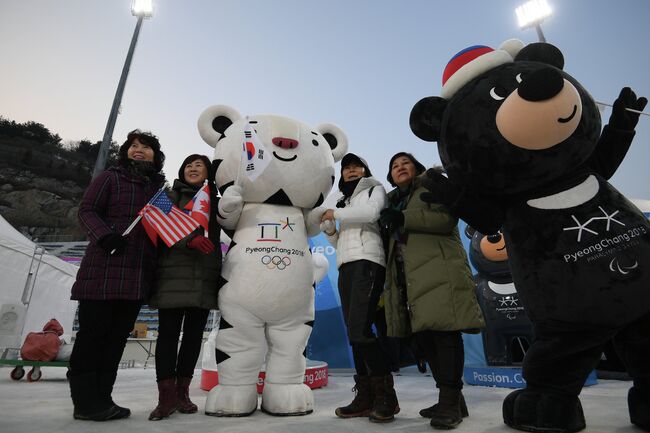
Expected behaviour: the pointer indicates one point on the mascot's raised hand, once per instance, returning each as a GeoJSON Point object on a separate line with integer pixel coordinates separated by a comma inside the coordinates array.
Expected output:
{"type": "Point", "coordinates": [621, 117]}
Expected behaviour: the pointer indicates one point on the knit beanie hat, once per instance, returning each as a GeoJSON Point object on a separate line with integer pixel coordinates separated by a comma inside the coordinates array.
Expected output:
{"type": "Point", "coordinates": [473, 61]}
{"type": "Point", "coordinates": [352, 158]}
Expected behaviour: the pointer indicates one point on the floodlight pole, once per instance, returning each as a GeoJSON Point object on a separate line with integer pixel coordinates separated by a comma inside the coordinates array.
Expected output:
{"type": "Point", "coordinates": [100, 162]}
{"type": "Point", "coordinates": [540, 34]}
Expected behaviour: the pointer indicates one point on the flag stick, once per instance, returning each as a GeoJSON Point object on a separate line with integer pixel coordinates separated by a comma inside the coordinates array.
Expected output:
{"type": "Point", "coordinates": [205, 232]}
{"type": "Point", "coordinates": [241, 157]}
{"type": "Point", "coordinates": [139, 217]}
{"type": "Point", "coordinates": [628, 109]}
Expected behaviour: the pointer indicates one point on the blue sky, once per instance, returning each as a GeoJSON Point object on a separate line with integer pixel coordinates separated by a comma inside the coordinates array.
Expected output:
{"type": "Point", "coordinates": [361, 64]}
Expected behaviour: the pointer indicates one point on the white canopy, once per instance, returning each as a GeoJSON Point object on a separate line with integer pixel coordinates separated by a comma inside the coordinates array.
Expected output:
{"type": "Point", "coordinates": [51, 278]}
{"type": "Point", "coordinates": [643, 205]}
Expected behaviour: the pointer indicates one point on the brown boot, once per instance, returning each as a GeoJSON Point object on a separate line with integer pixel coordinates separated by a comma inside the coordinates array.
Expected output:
{"type": "Point", "coordinates": [447, 413]}
{"type": "Point", "coordinates": [167, 400]}
{"type": "Point", "coordinates": [385, 404]}
{"type": "Point", "coordinates": [429, 411]}
{"type": "Point", "coordinates": [185, 405]}
{"type": "Point", "coordinates": [362, 403]}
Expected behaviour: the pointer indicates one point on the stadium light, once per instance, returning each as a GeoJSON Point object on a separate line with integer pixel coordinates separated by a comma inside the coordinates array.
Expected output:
{"type": "Point", "coordinates": [531, 14]}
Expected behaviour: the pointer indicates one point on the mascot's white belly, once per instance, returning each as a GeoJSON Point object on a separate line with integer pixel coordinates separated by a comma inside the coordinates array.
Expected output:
{"type": "Point", "coordinates": [269, 268]}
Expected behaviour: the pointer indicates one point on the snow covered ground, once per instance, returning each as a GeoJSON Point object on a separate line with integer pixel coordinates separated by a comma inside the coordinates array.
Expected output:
{"type": "Point", "coordinates": [45, 406]}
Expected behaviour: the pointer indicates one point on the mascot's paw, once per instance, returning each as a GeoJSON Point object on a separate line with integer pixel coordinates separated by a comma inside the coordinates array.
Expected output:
{"type": "Point", "coordinates": [638, 403]}
{"type": "Point", "coordinates": [231, 200]}
{"type": "Point", "coordinates": [321, 265]}
{"type": "Point", "coordinates": [543, 412]}
{"type": "Point", "coordinates": [441, 190]}
{"type": "Point", "coordinates": [231, 400]}
{"type": "Point", "coordinates": [282, 399]}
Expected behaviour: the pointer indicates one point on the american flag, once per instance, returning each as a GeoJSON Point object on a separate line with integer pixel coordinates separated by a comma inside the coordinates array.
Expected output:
{"type": "Point", "coordinates": [160, 217]}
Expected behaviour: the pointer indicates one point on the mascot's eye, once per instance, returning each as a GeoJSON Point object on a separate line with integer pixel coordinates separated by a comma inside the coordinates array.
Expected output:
{"type": "Point", "coordinates": [518, 78]}
{"type": "Point", "coordinates": [494, 93]}
{"type": "Point", "coordinates": [314, 142]}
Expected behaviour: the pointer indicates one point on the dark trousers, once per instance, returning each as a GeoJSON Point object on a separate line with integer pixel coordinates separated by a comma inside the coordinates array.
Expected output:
{"type": "Point", "coordinates": [360, 285]}
{"type": "Point", "coordinates": [170, 360]}
{"type": "Point", "coordinates": [445, 354]}
{"type": "Point", "coordinates": [104, 327]}
{"type": "Point", "coordinates": [561, 361]}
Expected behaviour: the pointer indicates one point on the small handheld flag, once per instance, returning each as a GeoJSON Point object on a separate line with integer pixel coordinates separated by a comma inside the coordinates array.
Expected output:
{"type": "Point", "coordinates": [161, 218]}
{"type": "Point", "coordinates": [199, 206]}
{"type": "Point", "coordinates": [255, 156]}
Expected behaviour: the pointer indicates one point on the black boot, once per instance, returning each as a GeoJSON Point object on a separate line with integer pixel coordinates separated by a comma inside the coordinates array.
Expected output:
{"type": "Point", "coordinates": [362, 403]}
{"type": "Point", "coordinates": [106, 380]}
{"type": "Point", "coordinates": [385, 404]}
{"type": "Point", "coordinates": [89, 403]}
{"type": "Point", "coordinates": [638, 402]}
{"type": "Point", "coordinates": [447, 413]}
{"type": "Point", "coordinates": [429, 411]}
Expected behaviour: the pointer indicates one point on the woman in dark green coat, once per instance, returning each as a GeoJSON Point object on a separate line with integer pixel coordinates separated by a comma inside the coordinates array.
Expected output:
{"type": "Point", "coordinates": [429, 292]}
{"type": "Point", "coordinates": [187, 279]}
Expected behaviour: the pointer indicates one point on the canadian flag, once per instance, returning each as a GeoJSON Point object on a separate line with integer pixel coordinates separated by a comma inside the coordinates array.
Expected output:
{"type": "Point", "coordinates": [199, 206]}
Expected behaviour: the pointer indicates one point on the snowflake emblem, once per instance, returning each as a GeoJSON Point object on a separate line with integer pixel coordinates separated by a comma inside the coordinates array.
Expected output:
{"type": "Point", "coordinates": [609, 218]}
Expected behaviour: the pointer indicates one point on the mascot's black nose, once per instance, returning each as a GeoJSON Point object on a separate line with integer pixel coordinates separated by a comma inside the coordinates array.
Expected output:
{"type": "Point", "coordinates": [541, 85]}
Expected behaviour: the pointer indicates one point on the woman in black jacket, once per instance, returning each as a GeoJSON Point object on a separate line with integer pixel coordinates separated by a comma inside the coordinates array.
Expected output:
{"type": "Point", "coordinates": [187, 279]}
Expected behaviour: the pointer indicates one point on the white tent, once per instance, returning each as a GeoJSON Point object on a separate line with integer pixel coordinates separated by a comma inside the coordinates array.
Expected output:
{"type": "Point", "coordinates": [643, 205]}
{"type": "Point", "coordinates": [34, 287]}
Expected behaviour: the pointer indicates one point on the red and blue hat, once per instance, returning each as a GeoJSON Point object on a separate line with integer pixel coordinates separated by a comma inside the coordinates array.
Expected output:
{"type": "Point", "coordinates": [473, 61]}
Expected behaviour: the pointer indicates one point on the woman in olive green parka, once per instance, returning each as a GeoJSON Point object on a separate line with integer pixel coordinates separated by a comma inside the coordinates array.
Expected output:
{"type": "Point", "coordinates": [186, 284]}
{"type": "Point", "coordinates": [429, 291]}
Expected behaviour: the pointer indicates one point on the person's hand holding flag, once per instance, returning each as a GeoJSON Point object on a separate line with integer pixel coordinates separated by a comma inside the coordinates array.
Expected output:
{"type": "Point", "coordinates": [201, 244]}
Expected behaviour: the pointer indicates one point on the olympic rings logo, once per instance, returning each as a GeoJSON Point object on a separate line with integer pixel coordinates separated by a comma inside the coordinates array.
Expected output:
{"type": "Point", "coordinates": [276, 262]}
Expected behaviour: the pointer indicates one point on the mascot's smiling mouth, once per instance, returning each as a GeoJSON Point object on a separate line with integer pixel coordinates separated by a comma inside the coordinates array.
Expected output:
{"type": "Point", "coordinates": [285, 159]}
{"type": "Point", "coordinates": [568, 119]}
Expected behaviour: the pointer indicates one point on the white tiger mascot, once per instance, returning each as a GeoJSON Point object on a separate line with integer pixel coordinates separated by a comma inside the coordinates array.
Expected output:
{"type": "Point", "coordinates": [273, 172]}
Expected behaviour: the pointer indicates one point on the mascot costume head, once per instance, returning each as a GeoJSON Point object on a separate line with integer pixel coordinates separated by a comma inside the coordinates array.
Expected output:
{"type": "Point", "coordinates": [522, 144]}
{"type": "Point", "coordinates": [273, 172]}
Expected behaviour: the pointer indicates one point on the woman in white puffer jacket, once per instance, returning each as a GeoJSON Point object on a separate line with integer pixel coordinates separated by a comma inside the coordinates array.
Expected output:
{"type": "Point", "coordinates": [361, 261]}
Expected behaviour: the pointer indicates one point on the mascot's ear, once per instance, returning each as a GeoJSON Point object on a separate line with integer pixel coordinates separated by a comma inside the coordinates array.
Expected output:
{"type": "Point", "coordinates": [336, 138]}
{"type": "Point", "coordinates": [542, 52]}
{"type": "Point", "coordinates": [214, 121]}
{"type": "Point", "coordinates": [426, 117]}
{"type": "Point", "coordinates": [469, 231]}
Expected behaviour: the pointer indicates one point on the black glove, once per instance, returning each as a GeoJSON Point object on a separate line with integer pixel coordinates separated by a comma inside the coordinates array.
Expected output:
{"type": "Point", "coordinates": [391, 219]}
{"type": "Point", "coordinates": [113, 241]}
{"type": "Point", "coordinates": [441, 190]}
{"type": "Point", "coordinates": [622, 118]}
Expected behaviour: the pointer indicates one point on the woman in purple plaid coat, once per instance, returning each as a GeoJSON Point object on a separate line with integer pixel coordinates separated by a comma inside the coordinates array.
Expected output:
{"type": "Point", "coordinates": [115, 275]}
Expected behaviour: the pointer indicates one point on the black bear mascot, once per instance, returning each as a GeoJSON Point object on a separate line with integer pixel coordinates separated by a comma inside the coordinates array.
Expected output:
{"type": "Point", "coordinates": [508, 332]}
{"type": "Point", "coordinates": [522, 145]}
